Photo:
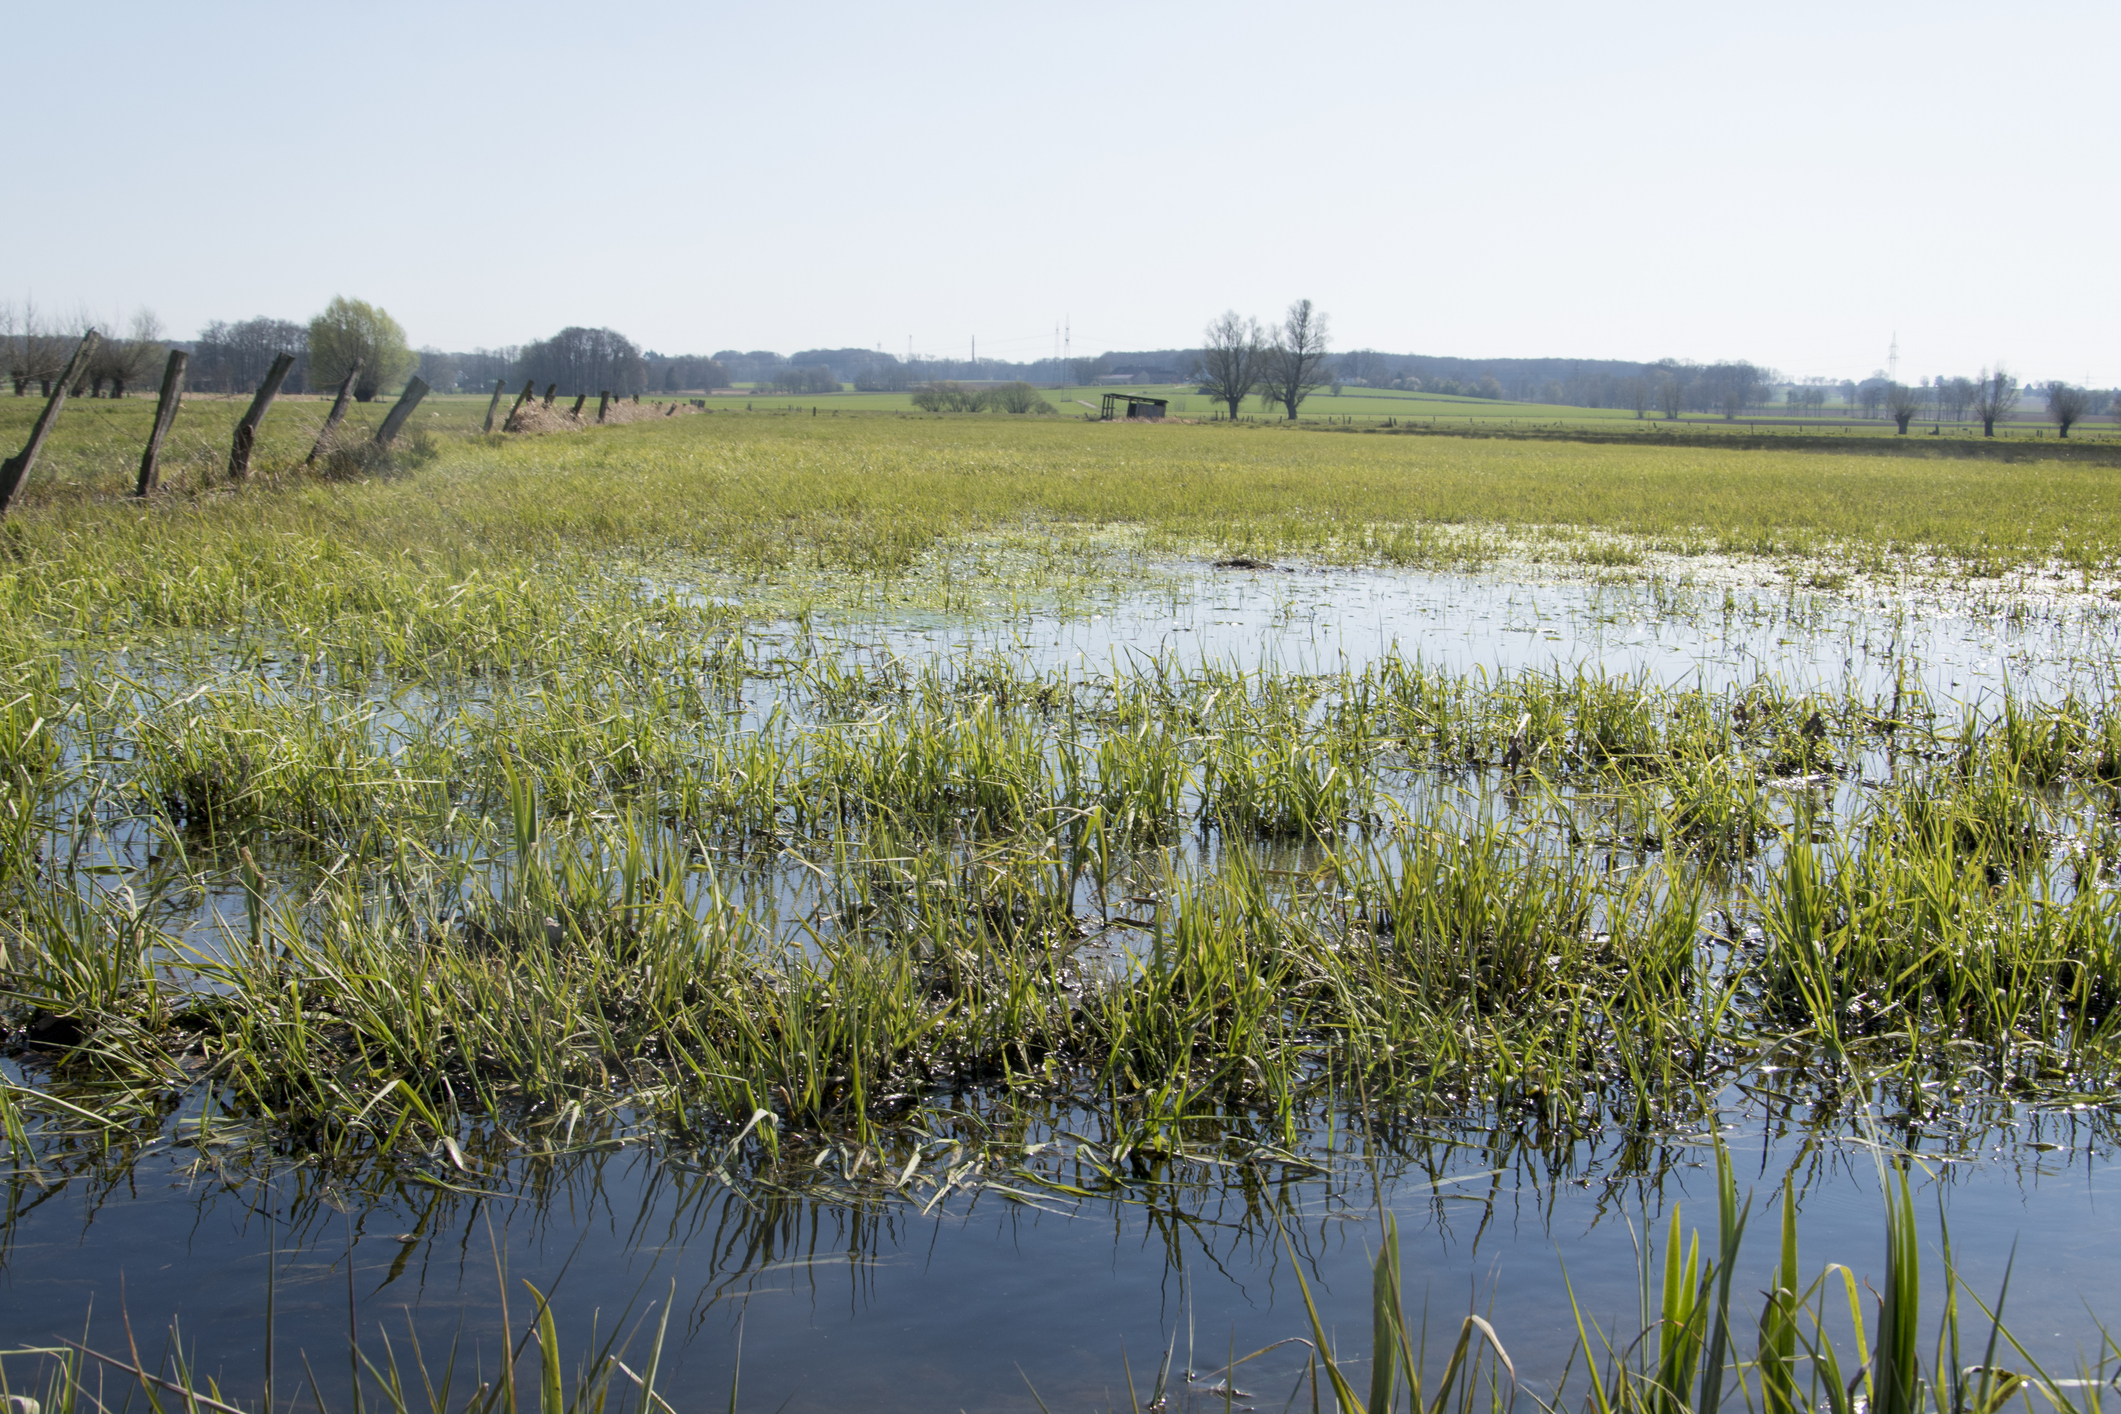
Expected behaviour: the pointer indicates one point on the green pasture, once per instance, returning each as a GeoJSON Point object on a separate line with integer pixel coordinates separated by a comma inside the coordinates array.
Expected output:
{"type": "Point", "coordinates": [875, 490]}
{"type": "Point", "coordinates": [1187, 401]}
{"type": "Point", "coordinates": [1442, 411]}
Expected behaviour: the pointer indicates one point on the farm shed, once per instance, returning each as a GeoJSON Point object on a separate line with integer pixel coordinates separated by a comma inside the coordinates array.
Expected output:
{"type": "Point", "coordinates": [1137, 406]}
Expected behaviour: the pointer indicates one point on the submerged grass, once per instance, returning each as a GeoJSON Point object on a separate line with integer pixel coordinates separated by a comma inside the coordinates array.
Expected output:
{"type": "Point", "coordinates": [1234, 889]}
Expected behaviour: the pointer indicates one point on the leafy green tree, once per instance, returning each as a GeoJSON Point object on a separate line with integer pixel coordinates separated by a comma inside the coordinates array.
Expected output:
{"type": "Point", "coordinates": [350, 329]}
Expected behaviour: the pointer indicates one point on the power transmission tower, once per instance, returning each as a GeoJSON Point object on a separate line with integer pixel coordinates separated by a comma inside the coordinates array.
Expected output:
{"type": "Point", "coordinates": [1892, 360]}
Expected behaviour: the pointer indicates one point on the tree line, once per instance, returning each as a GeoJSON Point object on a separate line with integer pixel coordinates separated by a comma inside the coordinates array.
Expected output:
{"type": "Point", "coordinates": [234, 356]}
{"type": "Point", "coordinates": [575, 361]}
{"type": "Point", "coordinates": [227, 357]}
{"type": "Point", "coordinates": [1286, 363]}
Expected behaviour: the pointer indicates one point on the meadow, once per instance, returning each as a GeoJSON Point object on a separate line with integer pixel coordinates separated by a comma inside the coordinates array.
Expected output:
{"type": "Point", "coordinates": [1452, 412]}
{"type": "Point", "coordinates": [530, 794]}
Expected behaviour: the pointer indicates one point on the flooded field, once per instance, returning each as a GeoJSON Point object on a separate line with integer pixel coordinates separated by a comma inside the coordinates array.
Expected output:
{"type": "Point", "coordinates": [969, 1005]}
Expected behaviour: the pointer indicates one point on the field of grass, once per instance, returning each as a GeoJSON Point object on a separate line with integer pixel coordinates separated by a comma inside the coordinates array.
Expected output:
{"type": "Point", "coordinates": [1368, 407]}
{"type": "Point", "coordinates": [871, 493]}
{"type": "Point", "coordinates": [540, 781]}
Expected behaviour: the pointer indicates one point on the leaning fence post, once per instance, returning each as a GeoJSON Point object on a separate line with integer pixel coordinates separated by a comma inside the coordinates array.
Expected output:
{"type": "Point", "coordinates": [603, 405]}
{"type": "Point", "coordinates": [407, 401]}
{"type": "Point", "coordinates": [338, 413]}
{"type": "Point", "coordinates": [16, 468]}
{"type": "Point", "coordinates": [580, 398]}
{"type": "Point", "coordinates": [247, 429]}
{"type": "Point", "coordinates": [165, 414]}
{"type": "Point", "coordinates": [530, 385]}
{"type": "Point", "coordinates": [550, 389]}
{"type": "Point", "coordinates": [491, 407]}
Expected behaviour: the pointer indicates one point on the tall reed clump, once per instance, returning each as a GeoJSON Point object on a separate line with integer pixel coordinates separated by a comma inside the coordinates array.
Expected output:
{"type": "Point", "coordinates": [1689, 1354]}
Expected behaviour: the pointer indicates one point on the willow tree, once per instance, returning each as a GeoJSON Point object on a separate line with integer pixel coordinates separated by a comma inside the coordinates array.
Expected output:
{"type": "Point", "coordinates": [1296, 360]}
{"type": "Point", "coordinates": [1995, 394]}
{"type": "Point", "coordinates": [350, 330]}
{"type": "Point", "coordinates": [1233, 355]}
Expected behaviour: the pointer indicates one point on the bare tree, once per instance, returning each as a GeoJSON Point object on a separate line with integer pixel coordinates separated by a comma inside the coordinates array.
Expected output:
{"type": "Point", "coordinates": [1995, 394]}
{"type": "Point", "coordinates": [1730, 386]}
{"type": "Point", "coordinates": [14, 347]}
{"type": "Point", "coordinates": [122, 360]}
{"type": "Point", "coordinates": [234, 358]}
{"type": "Point", "coordinates": [1954, 397]}
{"type": "Point", "coordinates": [1639, 396]}
{"type": "Point", "coordinates": [2067, 404]}
{"type": "Point", "coordinates": [1296, 363]}
{"type": "Point", "coordinates": [1671, 396]}
{"type": "Point", "coordinates": [1903, 402]}
{"type": "Point", "coordinates": [1232, 359]}
{"type": "Point", "coordinates": [36, 349]}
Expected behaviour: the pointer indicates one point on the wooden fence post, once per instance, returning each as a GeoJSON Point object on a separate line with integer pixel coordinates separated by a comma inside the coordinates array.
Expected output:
{"type": "Point", "coordinates": [338, 413]}
{"type": "Point", "coordinates": [247, 430]}
{"type": "Point", "coordinates": [580, 398]}
{"type": "Point", "coordinates": [550, 389]}
{"type": "Point", "coordinates": [530, 385]}
{"type": "Point", "coordinates": [603, 405]}
{"type": "Point", "coordinates": [15, 470]}
{"type": "Point", "coordinates": [165, 414]}
{"type": "Point", "coordinates": [395, 423]}
{"type": "Point", "coordinates": [491, 407]}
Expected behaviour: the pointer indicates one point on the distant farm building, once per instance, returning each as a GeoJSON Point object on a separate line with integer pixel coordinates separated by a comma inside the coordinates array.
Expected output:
{"type": "Point", "coordinates": [1136, 405]}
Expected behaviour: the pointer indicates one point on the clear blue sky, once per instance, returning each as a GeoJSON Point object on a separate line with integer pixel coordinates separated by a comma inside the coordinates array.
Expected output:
{"type": "Point", "coordinates": [1790, 183]}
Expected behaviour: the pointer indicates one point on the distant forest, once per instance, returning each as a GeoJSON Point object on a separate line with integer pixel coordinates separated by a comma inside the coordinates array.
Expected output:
{"type": "Point", "coordinates": [231, 358]}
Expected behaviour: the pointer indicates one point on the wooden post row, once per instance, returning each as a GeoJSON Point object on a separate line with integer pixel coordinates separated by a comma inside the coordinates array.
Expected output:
{"type": "Point", "coordinates": [165, 414]}
{"type": "Point", "coordinates": [338, 414]}
{"type": "Point", "coordinates": [247, 430]}
{"type": "Point", "coordinates": [15, 470]}
{"type": "Point", "coordinates": [395, 423]}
